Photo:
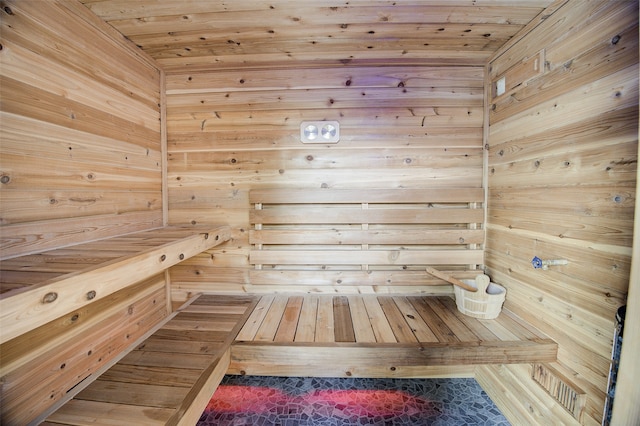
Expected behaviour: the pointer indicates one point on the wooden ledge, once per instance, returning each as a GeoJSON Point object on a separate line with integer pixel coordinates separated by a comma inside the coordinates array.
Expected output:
{"type": "Point", "coordinates": [39, 288]}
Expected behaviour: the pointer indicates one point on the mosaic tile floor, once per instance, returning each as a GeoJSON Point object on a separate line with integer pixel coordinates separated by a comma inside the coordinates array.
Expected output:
{"type": "Point", "coordinates": [284, 401]}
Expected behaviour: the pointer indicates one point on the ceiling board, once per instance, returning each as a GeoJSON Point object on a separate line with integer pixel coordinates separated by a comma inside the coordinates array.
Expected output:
{"type": "Point", "coordinates": [204, 34]}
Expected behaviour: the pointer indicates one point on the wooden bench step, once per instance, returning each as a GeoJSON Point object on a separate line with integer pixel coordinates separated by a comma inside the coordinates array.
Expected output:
{"type": "Point", "coordinates": [169, 378]}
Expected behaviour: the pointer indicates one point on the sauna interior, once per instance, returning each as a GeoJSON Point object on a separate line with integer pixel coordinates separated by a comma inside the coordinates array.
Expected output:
{"type": "Point", "coordinates": [157, 200]}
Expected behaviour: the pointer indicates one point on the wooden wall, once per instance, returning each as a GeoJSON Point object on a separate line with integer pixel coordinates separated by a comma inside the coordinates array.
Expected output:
{"type": "Point", "coordinates": [81, 154]}
{"type": "Point", "coordinates": [230, 131]}
{"type": "Point", "coordinates": [562, 176]}
{"type": "Point", "coordinates": [80, 159]}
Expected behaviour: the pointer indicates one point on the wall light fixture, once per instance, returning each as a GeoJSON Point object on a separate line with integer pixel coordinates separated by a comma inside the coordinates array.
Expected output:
{"type": "Point", "coordinates": [320, 131]}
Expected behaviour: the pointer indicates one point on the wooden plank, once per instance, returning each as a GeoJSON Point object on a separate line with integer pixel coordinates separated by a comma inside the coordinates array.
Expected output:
{"type": "Point", "coordinates": [369, 257]}
{"type": "Point", "coordinates": [343, 323]}
{"type": "Point", "coordinates": [183, 140]}
{"type": "Point", "coordinates": [476, 327]}
{"type": "Point", "coordinates": [437, 325]}
{"type": "Point", "coordinates": [379, 323]}
{"type": "Point", "coordinates": [194, 404]}
{"type": "Point", "coordinates": [28, 238]}
{"type": "Point", "coordinates": [150, 358]}
{"type": "Point", "coordinates": [367, 371]}
{"type": "Point", "coordinates": [296, 215]}
{"type": "Point", "coordinates": [342, 278]}
{"type": "Point", "coordinates": [418, 326]}
{"type": "Point", "coordinates": [269, 327]}
{"type": "Point", "coordinates": [132, 373]}
{"type": "Point", "coordinates": [348, 98]}
{"type": "Point", "coordinates": [448, 317]}
{"type": "Point", "coordinates": [378, 236]}
{"type": "Point", "coordinates": [17, 97]}
{"type": "Point", "coordinates": [359, 12]}
{"type": "Point", "coordinates": [300, 177]}
{"type": "Point", "coordinates": [346, 196]}
{"type": "Point", "coordinates": [306, 330]}
{"type": "Point", "coordinates": [179, 83]}
{"type": "Point", "coordinates": [289, 322]}
{"type": "Point", "coordinates": [256, 318]}
{"type": "Point", "coordinates": [394, 354]}
{"type": "Point", "coordinates": [369, 57]}
{"type": "Point", "coordinates": [26, 206]}
{"type": "Point", "coordinates": [144, 395]}
{"type": "Point", "coordinates": [445, 116]}
{"type": "Point", "coordinates": [34, 138]}
{"type": "Point", "coordinates": [325, 322]}
{"type": "Point", "coordinates": [98, 413]}
{"type": "Point", "coordinates": [398, 324]}
{"type": "Point", "coordinates": [362, 327]}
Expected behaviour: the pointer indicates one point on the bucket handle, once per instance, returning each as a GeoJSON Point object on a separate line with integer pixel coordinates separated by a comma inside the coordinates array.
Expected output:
{"type": "Point", "coordinates": [482, 283]}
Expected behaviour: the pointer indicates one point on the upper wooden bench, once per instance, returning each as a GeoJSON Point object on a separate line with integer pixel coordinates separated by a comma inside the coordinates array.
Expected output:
{"type": "Point", "coordinates": [340, 237]}
{"type": "Point", "coordinates": [39, 288]}
{"type": "Point", "coordinates": [68, 312]}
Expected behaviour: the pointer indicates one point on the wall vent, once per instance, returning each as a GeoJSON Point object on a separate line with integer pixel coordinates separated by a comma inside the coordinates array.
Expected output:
{"type": "Point", "coordinates": [570, 396]}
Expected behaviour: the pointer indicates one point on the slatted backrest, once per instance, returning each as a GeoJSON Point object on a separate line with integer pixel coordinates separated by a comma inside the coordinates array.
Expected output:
{"type": "Point", "coordinates": [364, 237]}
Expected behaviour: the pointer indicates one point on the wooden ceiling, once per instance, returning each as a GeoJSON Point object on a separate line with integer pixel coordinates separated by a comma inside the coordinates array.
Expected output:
{"type": "Point", "coordinates": [204, 34]}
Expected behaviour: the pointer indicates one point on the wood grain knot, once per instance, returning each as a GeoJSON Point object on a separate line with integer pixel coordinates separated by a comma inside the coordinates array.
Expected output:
{"type": "Point", "coordinates": [50, 297]}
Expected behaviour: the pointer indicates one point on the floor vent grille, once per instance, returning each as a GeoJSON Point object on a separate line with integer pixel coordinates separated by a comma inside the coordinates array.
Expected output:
{"type": "Point", "coordinates": [570, 396]}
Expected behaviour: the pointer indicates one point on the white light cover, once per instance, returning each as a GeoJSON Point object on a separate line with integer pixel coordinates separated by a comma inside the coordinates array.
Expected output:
{"type": "Point", "coordinates": [320, 131]}
{"type": "Point", "coordinates": [501, 86]}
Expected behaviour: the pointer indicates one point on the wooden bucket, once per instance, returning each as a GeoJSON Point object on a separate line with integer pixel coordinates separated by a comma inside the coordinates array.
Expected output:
{"type": "Point", "coordinates": [485, 303]}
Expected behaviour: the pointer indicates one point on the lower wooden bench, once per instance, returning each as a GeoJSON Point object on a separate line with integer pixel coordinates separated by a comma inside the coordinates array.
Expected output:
{"type": "Point", "coordinates": [172, 374]}
{"type": "Point", "coordinates": [170, 377]}
{"type": "Point", "coordinates": [379, 336]}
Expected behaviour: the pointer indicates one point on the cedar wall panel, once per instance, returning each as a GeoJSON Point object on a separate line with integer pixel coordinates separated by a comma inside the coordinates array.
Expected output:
{"type": "Point", "coordinates": [230, 131]}
{"type": "Point", "coordinates": [562, 184]}
{"type": "Point", "coordinates": [81, 154]}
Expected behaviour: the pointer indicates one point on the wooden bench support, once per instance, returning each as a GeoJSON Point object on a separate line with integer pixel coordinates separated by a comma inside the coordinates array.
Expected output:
{"type": "Point", "coordinates": [170, 377]}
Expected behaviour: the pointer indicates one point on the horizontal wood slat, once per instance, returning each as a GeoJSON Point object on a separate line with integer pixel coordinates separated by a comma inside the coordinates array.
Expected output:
{"type": "Point", "coordinates": [369, 257]}
{"type": "Point", "coordinates": [295, 216]}
{"type": "Point", "coordinates": [328, 277]}
{"type": "Point", "coordinates": [411, 236]}
{"type": "Point", "coordinates": [338, 196]}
